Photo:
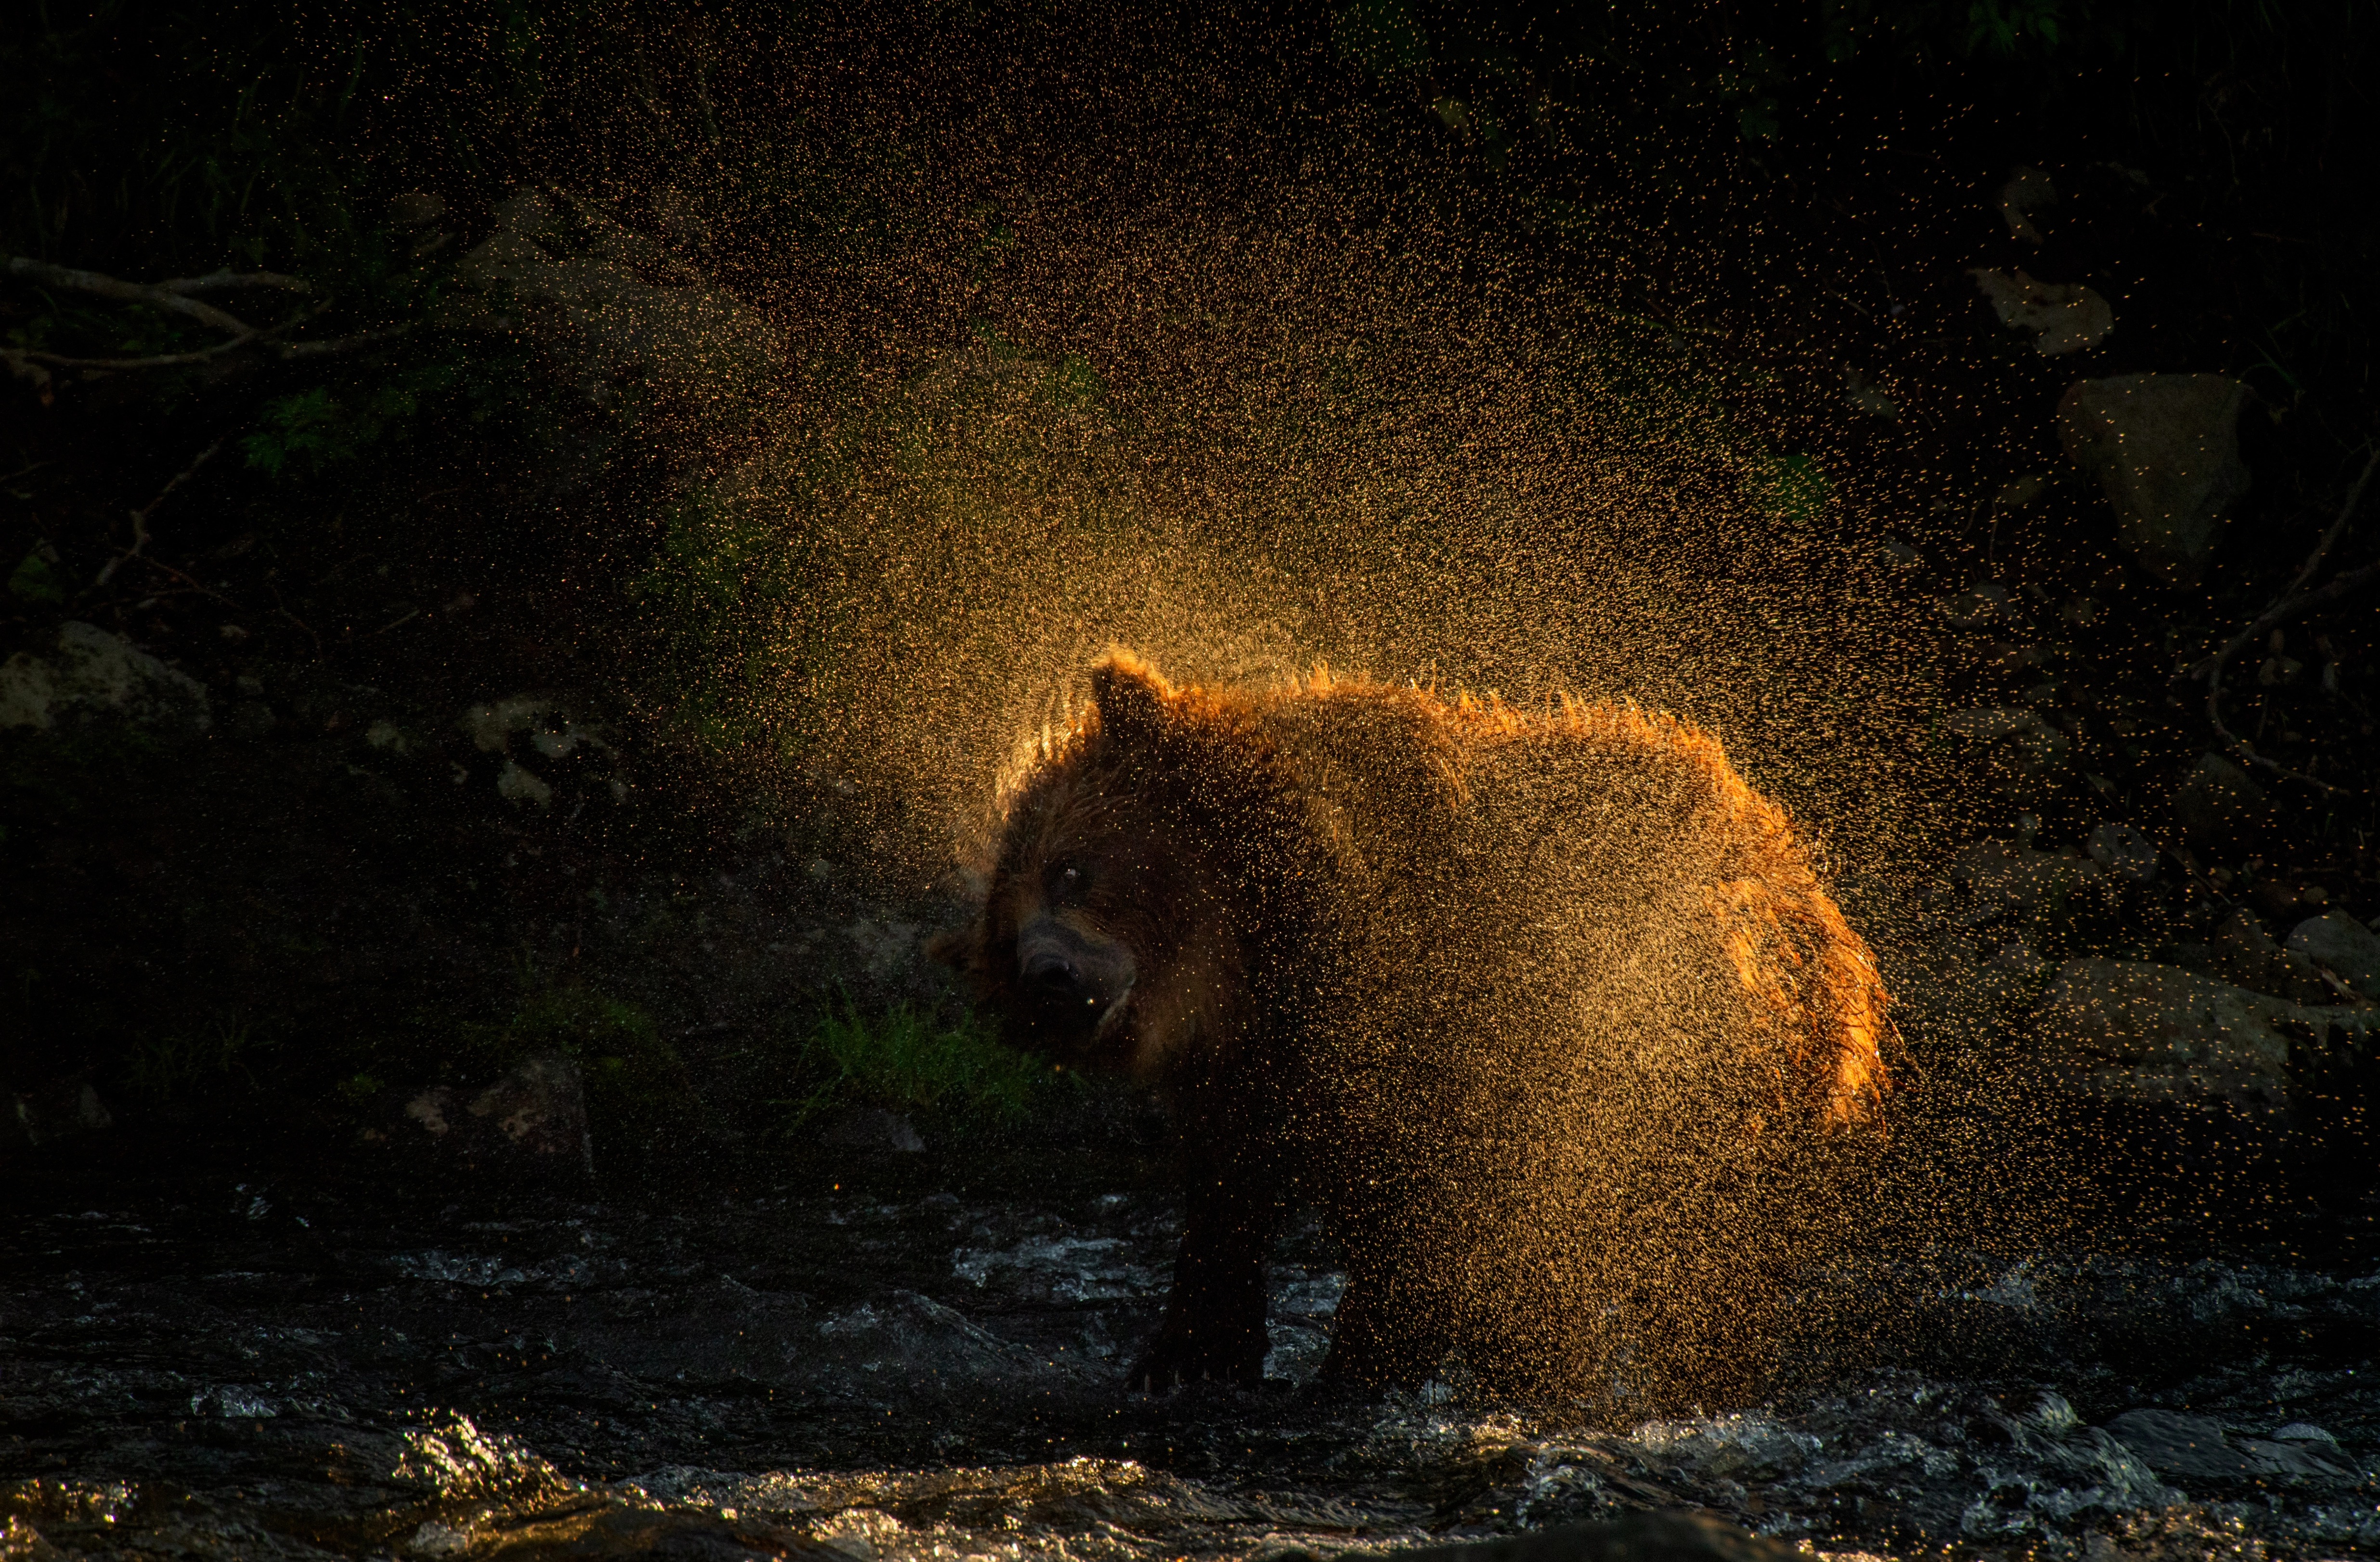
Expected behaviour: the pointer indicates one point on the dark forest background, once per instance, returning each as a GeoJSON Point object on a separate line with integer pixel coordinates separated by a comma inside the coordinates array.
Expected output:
{"type": "Point", "coordinates": [392, 502]}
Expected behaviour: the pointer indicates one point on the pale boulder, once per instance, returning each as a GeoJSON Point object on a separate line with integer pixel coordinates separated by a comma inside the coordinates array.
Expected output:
{"type": "Point", "coordinates": [2166, 451]}
{"type": "Point", "coordinates": [2343, 946]}
{"type": "Point", "coordinates": [2056, 317]}
{"type": "Point", "coordinates": [98, 676]}
{"type": "Point", "coordinates": [2133, 1033]}
{"type": "Point", "coordinates": [606, 303]}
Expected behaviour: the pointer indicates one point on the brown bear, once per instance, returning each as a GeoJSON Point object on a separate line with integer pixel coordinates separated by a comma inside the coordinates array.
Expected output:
{"type": "Point", "coordinates": [1549, 1014]}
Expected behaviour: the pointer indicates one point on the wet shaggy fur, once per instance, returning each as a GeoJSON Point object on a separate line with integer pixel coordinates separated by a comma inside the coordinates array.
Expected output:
{"type": "Point", "coordinates": [1549, 1015]}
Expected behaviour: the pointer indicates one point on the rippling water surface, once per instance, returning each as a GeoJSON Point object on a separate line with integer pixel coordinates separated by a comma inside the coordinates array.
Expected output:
{"type": "Point", "coordinates": [897, 1368]}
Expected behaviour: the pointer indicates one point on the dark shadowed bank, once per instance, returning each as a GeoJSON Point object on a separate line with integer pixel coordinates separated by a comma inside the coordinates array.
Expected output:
{"type": "Point", "coordinates": [531, 535]}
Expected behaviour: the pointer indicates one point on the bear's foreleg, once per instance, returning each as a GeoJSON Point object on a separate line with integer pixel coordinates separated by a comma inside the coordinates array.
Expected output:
{"type": "Point", "coordinates": [1382, 1336]}
{"type": "Point", "coordinates": [1214, 1328]}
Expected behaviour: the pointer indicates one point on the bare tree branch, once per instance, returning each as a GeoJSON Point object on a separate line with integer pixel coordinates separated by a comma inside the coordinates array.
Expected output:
{"type": "Point", "coordinates": [340, 344]}
{"type": "Point", "coordinates": [2322, 549]}
{"type": "Point", "coordinates": [161, 360]}
{"type": "Point", "coordinates": [283, 608]}
{"type": "Point", "coordinates": [161, 296]}
{"type": "Point", "coordinates": [141, 524]}
{"type": "Point", "coordinates": [33, 374]}
{"type": "Point", "coordinates": [2291, 603]}
{"type": "Point", "coordinates": [33, 364]}
{"type": "Point", "coordinates": [233, 281]}
{"type": "Point", "coordinates": [195, 584]}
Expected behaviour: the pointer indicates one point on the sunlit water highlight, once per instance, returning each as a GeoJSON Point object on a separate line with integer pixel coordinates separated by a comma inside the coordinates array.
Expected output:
{"type": "Point", "coordinates": [893, 1376]}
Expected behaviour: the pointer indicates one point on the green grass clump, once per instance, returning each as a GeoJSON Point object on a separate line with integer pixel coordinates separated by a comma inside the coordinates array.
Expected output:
{"type": "Point", "coordinates": [954, 1071]}
{"type": "Point", "coordinates": [193, 1061]}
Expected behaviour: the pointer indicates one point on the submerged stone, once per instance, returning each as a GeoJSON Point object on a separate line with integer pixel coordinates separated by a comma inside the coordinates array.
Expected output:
{"type": "Point", "coordinates": [2174, 1444]}
{"type": "Point", "coordinates": [871, 1129]}
{"type": "Point", "coordinates": [1640, 1537]}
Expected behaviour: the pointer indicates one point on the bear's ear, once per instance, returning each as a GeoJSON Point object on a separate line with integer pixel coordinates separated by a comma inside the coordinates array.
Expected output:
{"type": "Point", "coordinates": [1131, 696]}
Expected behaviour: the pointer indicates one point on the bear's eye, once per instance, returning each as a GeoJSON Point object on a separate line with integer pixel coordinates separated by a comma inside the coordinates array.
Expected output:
{"type": "Point", "coordinates": [1065, 879]}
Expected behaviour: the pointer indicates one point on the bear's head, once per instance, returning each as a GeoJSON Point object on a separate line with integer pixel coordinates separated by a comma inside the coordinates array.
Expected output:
{"type": "Point", "coordinates": [1115, 928]}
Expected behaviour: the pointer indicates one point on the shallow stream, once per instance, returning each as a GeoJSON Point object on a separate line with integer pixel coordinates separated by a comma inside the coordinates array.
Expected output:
{"type": "Point", "coordinates": [906, 1367]}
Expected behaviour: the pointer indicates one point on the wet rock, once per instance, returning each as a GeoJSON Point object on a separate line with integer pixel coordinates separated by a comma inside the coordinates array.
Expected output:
{"type": "Point", "coordinates": [517, 784]}
{"type": "Point", "coordinates": [887, 947]}
{"type": "Point", "coordinates": [915, 1341]}
{"type": "Point", "coordinates": [2013, 738]}
{"type": "Point", "coordinates": [2241, 951]}
{"type": "Point", "coordinates": [2218, 800]}
{"type": "Point", "coordinates": [249, 719]}
{"type": "Point", "coordinates": [2135, 1033]}
{"type": "Point", "coordinates": [415, 208]}
{"type": "Point", "coordinates": [1298, 1326]}
{"type": "Point", "coordinates": [1674, 1536]}
{"type": "Point", "coordinates": [235, 1402]}
{"type": "Point", "coordinates": [539, 724]}
{"type": "Point", "coordinates": [2341, 946]}
{"type": "Point", "coordinates": [2314, 1458]}
{"type": "Point", "coordinates": [580, 285]}
{"type": "Point", "coordinates": [2166, 451]}
{"type": "Point", "coordinates": [20, 1541]}
{"type": "Point", "coordinates": [60, 1110]}
{"type": "Point", "coordinates": [1071, 1268]}
{"type": "Point", "coordinates": [871, 1128]}
{"type": "Point", "coordinates": [2074, 1470]}
{"type": "Point", "coordinates": [1978, 605]}
{"type": "Point", "coordinates": [2026, 190]}
{"type": "Point", "coordinates": [2059, 317]}
{"type": "Point", "coordinates": [2196, 1447]}
{"type": "Point", "coordinates": [537, 734]}
{"type": "Point", "coordinates": [2019, 493]}
{"type": "Point", "coordinates": [2003, 877]}
{"type": "Point", "coordinates": [2176, 1444]}
{"type": "Point", "coordinates": [2313, 1439]}
{"type": "Point", "coordinates": [2123, 851]}
{"type": "Point", "coordinates": [529, 1125]}
{"type": "Point", "coordinates": [97, 675]}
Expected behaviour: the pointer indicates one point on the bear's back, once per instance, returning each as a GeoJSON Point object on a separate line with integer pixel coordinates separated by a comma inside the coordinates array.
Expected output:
{"type": "Point", "coordinates": [1522, 863]}
{"type": "Point", "coordinates": [1563, 1059]}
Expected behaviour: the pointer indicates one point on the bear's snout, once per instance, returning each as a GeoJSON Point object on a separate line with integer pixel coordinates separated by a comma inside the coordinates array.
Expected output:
{"type": "Point", "coordinates": [1075, 979]}
{"type": "Point", "coordinates": [1051, 975]}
